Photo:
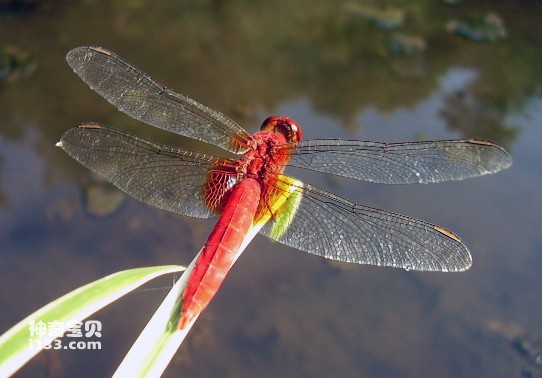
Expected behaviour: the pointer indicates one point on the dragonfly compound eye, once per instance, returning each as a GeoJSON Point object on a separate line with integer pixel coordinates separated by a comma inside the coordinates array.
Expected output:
{"type": "Point", "coordinates": [283, 125]}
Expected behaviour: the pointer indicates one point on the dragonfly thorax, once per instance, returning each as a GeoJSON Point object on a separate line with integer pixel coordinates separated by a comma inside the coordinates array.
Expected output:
{"type": "Point", "coordinates": [261, 160]}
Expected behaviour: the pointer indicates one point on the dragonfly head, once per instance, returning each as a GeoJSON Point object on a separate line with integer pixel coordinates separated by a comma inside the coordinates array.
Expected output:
{"type": "Point", "coordinates": [283, 125]}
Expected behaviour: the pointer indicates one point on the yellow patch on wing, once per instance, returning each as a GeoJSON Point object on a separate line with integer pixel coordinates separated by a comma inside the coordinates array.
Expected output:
{"type": "Point", "coordinates": [280, 205]}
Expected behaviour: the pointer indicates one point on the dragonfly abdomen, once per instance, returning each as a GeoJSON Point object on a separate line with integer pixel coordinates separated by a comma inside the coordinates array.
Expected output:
{"type": "Point", "coordinates": [221, 249]}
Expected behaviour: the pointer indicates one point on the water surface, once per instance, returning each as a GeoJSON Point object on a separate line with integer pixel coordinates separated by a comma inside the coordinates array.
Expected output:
{"type": "Point", "coordinates": [332, 66]}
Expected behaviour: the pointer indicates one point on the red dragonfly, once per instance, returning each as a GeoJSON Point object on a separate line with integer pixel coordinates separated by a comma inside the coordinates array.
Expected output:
{"type": "Point", "coordinates": [254, 189]}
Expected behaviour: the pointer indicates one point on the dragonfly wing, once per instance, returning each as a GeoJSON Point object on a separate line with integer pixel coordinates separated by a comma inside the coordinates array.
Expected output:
{"type": "Point", "coordinates": [326, 225]}
{"type": "Point", "coordinates": [401, 163]}
{"type": "Point", "coordinates": [165, 177]}
{"type": "Point", "coordinates": [136, 94]}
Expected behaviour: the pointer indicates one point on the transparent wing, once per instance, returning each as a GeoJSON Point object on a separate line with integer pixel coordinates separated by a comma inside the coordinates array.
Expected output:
{"type": "Point", "coordinates": [400, 163]}
{"type": "Point", "coordinates": [326, 225]}
{"type": "Point", "coordinates": [136, 94]}
{"type": "Point", "coordinates": [168, 178]}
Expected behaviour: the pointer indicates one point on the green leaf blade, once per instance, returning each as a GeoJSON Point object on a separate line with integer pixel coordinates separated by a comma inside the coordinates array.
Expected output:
{"type": "Point", "coordinates": [17, 346]}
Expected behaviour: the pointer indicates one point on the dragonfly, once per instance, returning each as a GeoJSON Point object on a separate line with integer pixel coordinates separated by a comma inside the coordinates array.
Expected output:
{"type": "Point", "coordinates": [252, 187]}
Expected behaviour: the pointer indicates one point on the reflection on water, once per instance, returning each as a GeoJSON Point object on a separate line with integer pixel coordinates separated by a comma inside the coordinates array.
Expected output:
{"type": "Point", "coordinates": [340, 74]}
{"type": "Point", "coordinates": [527, 345]}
